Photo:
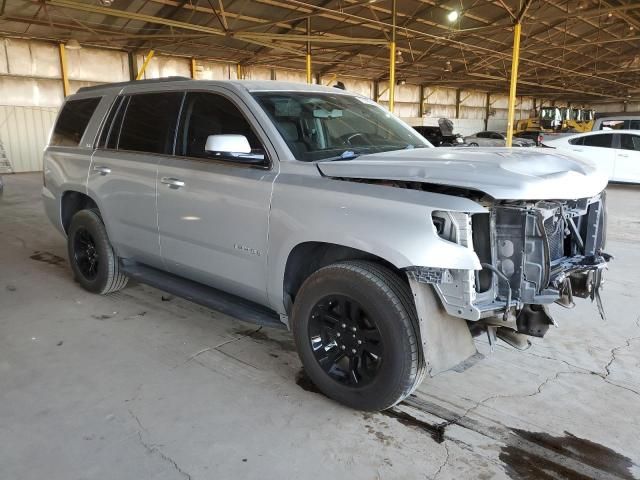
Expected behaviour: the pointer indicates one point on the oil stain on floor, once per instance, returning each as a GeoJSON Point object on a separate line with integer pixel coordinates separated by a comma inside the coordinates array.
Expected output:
{"type": "Point", "coordinates": [523, 463]}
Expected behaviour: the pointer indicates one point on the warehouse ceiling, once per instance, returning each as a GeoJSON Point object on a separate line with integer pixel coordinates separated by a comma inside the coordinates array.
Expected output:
{"type": "Point", "coordinates": [582, 50]}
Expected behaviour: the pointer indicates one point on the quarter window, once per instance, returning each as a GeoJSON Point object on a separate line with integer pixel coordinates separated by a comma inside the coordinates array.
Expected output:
{"type": "Point", "coordinates": [73, 121]}
{"type": "Point", "coordinates": [149, 123]}
{"type": "Point", "coordinates": [208, 114]}
{"type": "Point", "coordinates": [598, 140]}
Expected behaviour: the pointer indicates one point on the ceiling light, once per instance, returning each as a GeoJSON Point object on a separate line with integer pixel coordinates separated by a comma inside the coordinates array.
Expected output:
{"type": "Point", "coordinates": [447, 67]}
{"type": "Point", "coordinates": [106, 3]}
{"type": "Point", "coordinates": [399, 58]}
{"type": "Point", "coordinates": [453, 15]}
{"type": "Point", "coordinates": [401, 82]}
{"type": "Point", "coordinates": [73, 44]}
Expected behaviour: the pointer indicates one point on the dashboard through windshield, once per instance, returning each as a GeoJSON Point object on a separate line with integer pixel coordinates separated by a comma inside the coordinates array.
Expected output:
{"type": "Point", "coordinates": [326, 126]}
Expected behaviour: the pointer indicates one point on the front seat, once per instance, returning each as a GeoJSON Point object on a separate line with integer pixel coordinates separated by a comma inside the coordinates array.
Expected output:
{"type": "Point", "coordinates": [290, 133]}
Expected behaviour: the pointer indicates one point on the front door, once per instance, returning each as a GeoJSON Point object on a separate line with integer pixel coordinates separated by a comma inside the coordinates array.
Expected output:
{"type": "Point", "coordinates": [213, 207]}
{"type": "Point", "coordinates": [597, 148]}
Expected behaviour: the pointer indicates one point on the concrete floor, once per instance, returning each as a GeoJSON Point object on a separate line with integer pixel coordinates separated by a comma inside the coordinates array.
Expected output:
{"type": "Point", "coordinates": [141, 385]}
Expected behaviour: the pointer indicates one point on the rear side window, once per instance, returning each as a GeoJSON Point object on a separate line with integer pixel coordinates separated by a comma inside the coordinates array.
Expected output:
{"type": "Point", "coordinates": [630, 142]}
{"type": "Point", "coordinates": [73, 121]}
{"type": "Point", "coordinates": [598, 140]}
{"type": "Point", "coordinates": [149, 123]}
{"type": "Point", "coordinates": [634, 124]}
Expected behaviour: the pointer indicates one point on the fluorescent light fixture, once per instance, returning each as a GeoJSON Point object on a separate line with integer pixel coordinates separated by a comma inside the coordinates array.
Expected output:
{"type": "Point", "coordinates": [453, 15]}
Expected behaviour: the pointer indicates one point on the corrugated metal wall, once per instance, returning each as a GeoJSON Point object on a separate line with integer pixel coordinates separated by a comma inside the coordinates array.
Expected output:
{"type": "Point", "coordinates": [24, 132]}
{"type": "Point", "coordinates": [30, 83]}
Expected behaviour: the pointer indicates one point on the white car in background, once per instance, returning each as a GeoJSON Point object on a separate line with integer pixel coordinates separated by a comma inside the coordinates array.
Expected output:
{"type": "Point", "coordinates": [496, 139]}
{"type": "Point", "coordinates": [616, 152]}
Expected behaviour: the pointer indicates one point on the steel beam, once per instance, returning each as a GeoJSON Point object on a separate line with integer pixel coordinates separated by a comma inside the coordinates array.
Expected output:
{"type": "Point", "coordinates": [392, 56]}
{"type": "Point", "coordinates": [514, 82]}
{"type": "Point", "coordinates": [145, 64]}
{"type": "Point", "coordinates": [308, 58]}
{"type": "Point", "coordinates": [63, 69]}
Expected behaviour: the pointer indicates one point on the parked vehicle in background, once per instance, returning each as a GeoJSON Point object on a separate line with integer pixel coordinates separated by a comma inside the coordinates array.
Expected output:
{"type": "Point", "coordinates": [442, 135]}
{"type": "Point", "coordinates": [496, 139]}
{"type": "Point", "coordinates": [615, 152]}
{"type": "Point", "coordinates": [533, 135]}
{"type": "Point", "coordinates": [313, 208]}
{"type": "Point", "coordinates": [617, 122]}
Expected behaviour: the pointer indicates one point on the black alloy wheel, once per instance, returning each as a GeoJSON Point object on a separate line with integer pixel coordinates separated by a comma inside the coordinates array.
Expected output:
{"type": "Point", "coordinates": [345, 340]}
{"type": "Point", "coordinates": [85, 254]}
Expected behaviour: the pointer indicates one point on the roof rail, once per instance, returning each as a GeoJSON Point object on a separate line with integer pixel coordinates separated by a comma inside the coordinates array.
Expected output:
{"type": "Point", "coordinates": [132, 82]}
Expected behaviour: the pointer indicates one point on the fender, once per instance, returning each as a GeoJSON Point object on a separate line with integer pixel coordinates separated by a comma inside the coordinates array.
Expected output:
{"type": "Point", "coordinates": [392, 223]}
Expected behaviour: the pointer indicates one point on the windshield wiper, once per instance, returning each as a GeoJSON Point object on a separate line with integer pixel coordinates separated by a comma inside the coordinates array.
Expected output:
{"type": "Point", "coordinates": [346, 155]}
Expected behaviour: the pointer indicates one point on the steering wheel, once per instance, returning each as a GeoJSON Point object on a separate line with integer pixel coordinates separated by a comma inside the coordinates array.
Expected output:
{"type": "Point", "coordinates": [347, 139]}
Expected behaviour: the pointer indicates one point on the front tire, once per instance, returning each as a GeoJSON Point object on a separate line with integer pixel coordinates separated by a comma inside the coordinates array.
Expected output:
{"type": "Point", "coordinates": [93, 261]}
{"type": "Point", "coordinates": [356, 331]}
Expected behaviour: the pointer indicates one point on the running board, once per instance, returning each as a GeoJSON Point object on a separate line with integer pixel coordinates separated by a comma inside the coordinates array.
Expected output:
{"type": "Point", "coordinates": [209, 297]}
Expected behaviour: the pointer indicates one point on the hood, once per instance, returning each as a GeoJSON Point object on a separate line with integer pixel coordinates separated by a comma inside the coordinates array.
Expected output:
{"type": "Point", "coordinates": [502, 173]}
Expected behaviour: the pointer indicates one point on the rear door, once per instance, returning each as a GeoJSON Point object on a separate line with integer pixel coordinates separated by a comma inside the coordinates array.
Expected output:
{"type": "Point", "coordinates": [140, 130]}
{"type": "Point", "coordinates": [213, 208]}
{"type": "Point", "coordinates": [627, 165]}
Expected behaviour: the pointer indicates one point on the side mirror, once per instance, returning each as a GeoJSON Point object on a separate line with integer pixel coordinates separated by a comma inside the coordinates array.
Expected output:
{"type": "Point", "coordinates": [227, 144]}
{"type": "Point", "coordinates": [233, 147]}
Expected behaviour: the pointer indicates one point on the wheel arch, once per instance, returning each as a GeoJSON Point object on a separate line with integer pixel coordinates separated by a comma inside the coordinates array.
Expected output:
{"type": "Point", "coordinates": [71, 202]}
{"type": "Point", "coordinates": [308, 257]}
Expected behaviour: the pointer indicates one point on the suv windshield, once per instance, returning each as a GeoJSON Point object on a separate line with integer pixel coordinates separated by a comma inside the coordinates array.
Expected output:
{"type": "Point", "coordinates": [327, 126]}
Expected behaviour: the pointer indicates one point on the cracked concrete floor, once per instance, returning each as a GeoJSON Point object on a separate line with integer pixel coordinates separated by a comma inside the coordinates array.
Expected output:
{"type": "Point", "coordinates": [142, 385]}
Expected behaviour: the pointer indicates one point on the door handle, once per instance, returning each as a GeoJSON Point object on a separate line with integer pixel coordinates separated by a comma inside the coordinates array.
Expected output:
{"type": "Point", "coordinates": [623, 155]}
{"type": "Point", "coordinates": [102, 170]}
{"type": "Point", "coordinates": [172, 182]}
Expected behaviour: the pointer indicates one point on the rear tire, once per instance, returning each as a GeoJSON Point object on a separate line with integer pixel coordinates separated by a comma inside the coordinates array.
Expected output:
{"type": "Point", "coordinates": [473, 144]}
{"type": "Point", "coordinates": [356, 330]}
{"type": "Point", "coordinates": [93, 261]}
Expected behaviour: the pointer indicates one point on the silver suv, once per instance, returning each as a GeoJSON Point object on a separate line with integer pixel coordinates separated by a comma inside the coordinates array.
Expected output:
{"type": "Point", "coordinates": [316, 208]}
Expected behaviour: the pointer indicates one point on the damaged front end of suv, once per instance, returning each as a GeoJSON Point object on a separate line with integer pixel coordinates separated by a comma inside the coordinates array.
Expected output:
{"type": "Point", "coordinates": [532, 254]}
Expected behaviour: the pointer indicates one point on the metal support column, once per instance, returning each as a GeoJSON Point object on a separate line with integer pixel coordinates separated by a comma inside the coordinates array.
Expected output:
{"type": "Point", "coordinates": [193, 68]}
{"type": "Point", "coordinates": [421, 108]}
{"type": "Point", "coordinates": [514, 81]}
{"type": "Point", "coordinates": [392, 56]}
{"type": "Point", "coordinates": [487, 111]}
{"type": "Point", "coordinates": [131, 57]}
{"type": "Point", "coordinates": [457, 103]}
{"type": "Point", "coordinates": [63, 69]}
{"type": "Point", "coordinates": [145, 64]}
{"type": "Point", "coordinates": [309, 76]}
{"type": "Point", "coordinates": [239, 71]}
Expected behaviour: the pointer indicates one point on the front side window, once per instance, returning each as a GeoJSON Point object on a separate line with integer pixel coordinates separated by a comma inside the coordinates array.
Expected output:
{"type": "Point", "coordinates": [207, 114]}
{"type": "Point", "coordinates": [483, 134]}
{"type": "Point", "coordinates": [634, 124]}
{"type": "Point", "coordinates": [577, 141]}
{"type": "Point", "coordinates": [149, 122]}
{"type": "Point", "coordinates": [332, 126]}
{"type": "Point", "coordinates": [603, 141]}
{"type": "Point", "coordinates": [630, 142]}
{"type": "Point", "coordinates": [73, 121]}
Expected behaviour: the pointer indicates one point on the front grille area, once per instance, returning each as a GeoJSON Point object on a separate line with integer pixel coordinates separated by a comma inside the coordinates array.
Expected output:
{"type": "Point", "coordinates": [554, 228]}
